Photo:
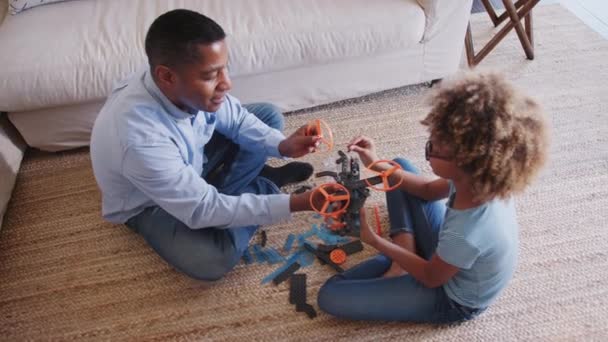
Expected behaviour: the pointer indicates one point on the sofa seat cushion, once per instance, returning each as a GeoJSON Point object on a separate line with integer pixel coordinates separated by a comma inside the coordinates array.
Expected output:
{"type": "Point", "coordinates": [73, 52]}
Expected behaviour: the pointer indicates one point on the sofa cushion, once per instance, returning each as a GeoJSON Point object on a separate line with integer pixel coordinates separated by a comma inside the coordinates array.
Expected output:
{"type": "Point", "coordinates": [72, 52]}
{"type": "Point", "coordinates": [18, 6]}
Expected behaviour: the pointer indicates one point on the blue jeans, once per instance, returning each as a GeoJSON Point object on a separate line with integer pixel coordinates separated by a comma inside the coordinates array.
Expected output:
{"type": "Point", "coordinates": [361, 293]}
{"type": "Point", "coordinates": [209, 253]}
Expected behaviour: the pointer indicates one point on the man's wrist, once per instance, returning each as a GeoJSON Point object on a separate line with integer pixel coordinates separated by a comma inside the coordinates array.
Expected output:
{"type": "Point", "coordinates": [299, 202]}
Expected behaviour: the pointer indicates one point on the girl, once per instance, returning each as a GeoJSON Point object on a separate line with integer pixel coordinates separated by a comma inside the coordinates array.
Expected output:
{"type": "Point", "coordinates": [448, 262]}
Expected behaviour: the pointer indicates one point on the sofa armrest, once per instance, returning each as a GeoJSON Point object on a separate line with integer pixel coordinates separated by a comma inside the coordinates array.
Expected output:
{"type": "Point", "coordinates": [12, 148]}
{"type": "Point", "coordinates": [439, 12]}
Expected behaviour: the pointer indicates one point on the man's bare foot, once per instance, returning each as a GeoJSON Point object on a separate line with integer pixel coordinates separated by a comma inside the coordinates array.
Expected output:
{"type": "Point", "coordinates": [394, 271]}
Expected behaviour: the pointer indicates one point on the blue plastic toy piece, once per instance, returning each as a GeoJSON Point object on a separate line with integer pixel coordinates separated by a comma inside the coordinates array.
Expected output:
{"type": "Point", "coordinates": [273, 256]}
{"type": "Point", "coordinates": [329, 238]}
{"type": "Point", "coordinates": [311, 232]}
{"type": "Point", "coordinates": [292, 259]}
{"type": "Point", "coordinates": [247, 258]}
{"type": "Point", "coordinates": [301, 241]}
{"type": "Point", "coordinates": [259, 254]}
{"type": "Point", "coordinates": [289, 242]}
{"type": "Point", "coordinates": [305, 258]}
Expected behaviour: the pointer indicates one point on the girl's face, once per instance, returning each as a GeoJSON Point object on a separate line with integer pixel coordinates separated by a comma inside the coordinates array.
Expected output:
{"type": "Point", "coordinates": [440, 156]}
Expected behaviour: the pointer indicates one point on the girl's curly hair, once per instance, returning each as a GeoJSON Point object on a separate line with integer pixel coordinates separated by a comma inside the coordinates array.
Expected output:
{"type": "Point", "coordinates": [499, 136]}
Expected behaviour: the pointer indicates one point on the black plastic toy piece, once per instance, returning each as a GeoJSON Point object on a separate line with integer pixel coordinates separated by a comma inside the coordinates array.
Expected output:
{"type": "Point", "coordinates": [352, 247]}
{"type": "Point", "coordinates": [297, 295]}
{"type": "Point", "coordinates": [297, 289]}
{"type": "Point", "coordinates": [302, 189]}
{"type": "Point", "coordinates": [310, 310]}
{"type": "Point", "coordinates": [326, 248]}
{"type": "Point", "coordinates": [323, 257]}
{"type": "Point", "coordinates": [286, 274]}
{"type": "Point", "coordinates": [264, 238]}
{"type": "Point", "coordinates": [349, 248]}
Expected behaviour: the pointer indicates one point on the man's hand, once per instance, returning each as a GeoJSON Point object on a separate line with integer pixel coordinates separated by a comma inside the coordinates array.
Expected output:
{"type": "Point", "coordinates": [367, 234]}
{"type": "Point", "coordinates": [365, 148]}
{"type": "Point", "coordinates": [299, 144]}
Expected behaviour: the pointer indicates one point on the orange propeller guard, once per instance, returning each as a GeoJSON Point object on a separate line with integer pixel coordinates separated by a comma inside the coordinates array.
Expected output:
{"type": "Point", "coordinates": [329, 199]}
{"type": "Point", "coordinates": [320, 128]}
{"type": "Point", "coordinates": [384, 175]}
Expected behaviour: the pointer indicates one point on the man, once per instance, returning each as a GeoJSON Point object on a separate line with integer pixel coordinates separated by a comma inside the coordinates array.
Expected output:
{"type": "Point", "coordinates": [181, 162]}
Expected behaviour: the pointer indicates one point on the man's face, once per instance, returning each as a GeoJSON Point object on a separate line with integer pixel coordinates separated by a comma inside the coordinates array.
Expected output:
{"type": "Point", "coordinates": [203, 85]}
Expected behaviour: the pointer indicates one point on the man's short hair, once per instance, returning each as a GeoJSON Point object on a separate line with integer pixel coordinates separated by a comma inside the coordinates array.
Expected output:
{"type": "Point", "coordinates": [174, 37]}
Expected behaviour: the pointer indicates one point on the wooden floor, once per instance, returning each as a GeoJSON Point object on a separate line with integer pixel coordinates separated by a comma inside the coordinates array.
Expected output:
{"type": "Point", "coordinates": [594, 13]}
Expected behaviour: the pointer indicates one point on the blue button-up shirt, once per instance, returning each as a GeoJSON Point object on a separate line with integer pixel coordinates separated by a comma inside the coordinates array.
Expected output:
{"type": "Point", "coordinates": [145, 152]}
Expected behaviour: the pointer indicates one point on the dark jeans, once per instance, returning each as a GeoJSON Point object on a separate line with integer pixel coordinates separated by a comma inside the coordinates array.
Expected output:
{"type": "Point", "coordinates": [210, 253]}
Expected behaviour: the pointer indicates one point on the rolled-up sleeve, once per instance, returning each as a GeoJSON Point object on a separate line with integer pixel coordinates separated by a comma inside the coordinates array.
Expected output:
{"type": "Point", "coordinates": [245, 129]}
{"type": "Point", "coordinates": [158, 171]}
{"type": "Point", "coordinates": [454, 249]}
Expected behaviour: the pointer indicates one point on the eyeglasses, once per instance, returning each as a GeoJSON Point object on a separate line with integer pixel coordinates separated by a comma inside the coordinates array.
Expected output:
{"type": "Point", "coordinates": [428, 153]}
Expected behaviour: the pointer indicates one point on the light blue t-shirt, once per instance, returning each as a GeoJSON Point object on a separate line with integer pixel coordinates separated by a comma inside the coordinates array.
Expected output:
{"type": "Point", "coordinates": [483, 243]}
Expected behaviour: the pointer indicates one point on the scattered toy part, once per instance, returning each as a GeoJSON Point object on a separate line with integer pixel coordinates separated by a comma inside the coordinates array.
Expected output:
{"type": "Point", "coordinates": [264, 238]}
{"type": "Point", "coordinates": [337, 256]}
{"type": "Point", "coordinates": [378, 225]}
{"type": "Point", "coordinates": [322, 256]}
{"type": "Point", "coordinates": [297, 295]}
{"type": "Point", "coordinates": [288, 242]}
{"type": "Point", "coordinates": [302, 189]}
{"type": "Point", "coordinates": [286, 273]}
{"type": "Point", "coordinates": [352, 247]}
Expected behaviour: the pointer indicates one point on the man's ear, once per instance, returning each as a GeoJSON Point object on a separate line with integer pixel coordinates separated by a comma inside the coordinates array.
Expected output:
{"type": "Point", "coordinates": [164, 75]}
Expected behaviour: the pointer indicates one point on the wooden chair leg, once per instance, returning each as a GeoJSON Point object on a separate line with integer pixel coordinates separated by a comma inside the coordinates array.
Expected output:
{"type": "Point", "coordinates": [529, 33]}
{"type": "Point", "coordinates": [491, 12]}
{"type": "Point", "coordinates": [468, 44]}
{"type": "Point", "coordinates": [525, 12]}
{"type": "Point", "coordinates": [505, 14]}
{"type": "Point", "coordinates": [521, 33]}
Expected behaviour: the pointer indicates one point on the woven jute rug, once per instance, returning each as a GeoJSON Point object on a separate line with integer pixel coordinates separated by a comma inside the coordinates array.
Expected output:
{"type": "Point", "coordinates": [67, 275]}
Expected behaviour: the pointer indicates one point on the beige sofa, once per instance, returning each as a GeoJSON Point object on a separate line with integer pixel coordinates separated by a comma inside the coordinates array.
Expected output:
{"type": "Point", "coordinates": [65, 57]}
{"type": "Point", "coordinates": [11, 151]}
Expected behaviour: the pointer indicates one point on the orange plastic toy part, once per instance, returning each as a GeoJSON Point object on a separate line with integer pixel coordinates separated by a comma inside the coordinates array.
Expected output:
{"type": "Point", "coordinates": [320, 128]}
{"type": "Point", "coordinates": [384, 175]}
{"type": "Point", "coordinates": [378, 225]}
{"type": "Point", "coordinates": [326, 209]}
{"type": "Point", "coordinates": [337, 256]}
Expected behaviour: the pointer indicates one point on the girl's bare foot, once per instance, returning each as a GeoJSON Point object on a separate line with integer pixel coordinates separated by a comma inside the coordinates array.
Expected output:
{"type": "Point", "coordinates": [394, 271]}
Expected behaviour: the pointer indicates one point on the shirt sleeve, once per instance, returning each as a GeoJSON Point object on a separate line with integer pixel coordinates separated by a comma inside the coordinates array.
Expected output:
{"type": "Point", "coordinates": [454, 249]}
{"type": "Point", "coordinates": [245, 129]}
{"type": "Point", "coordinates": [158, 171]}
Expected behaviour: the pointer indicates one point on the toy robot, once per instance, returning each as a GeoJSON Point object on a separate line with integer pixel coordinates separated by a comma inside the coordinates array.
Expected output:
{"type": "Point", "coordinates": [343, 200]}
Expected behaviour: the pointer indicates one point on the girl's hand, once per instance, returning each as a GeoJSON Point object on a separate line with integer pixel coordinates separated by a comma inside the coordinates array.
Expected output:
{"type": "Point", "coordinates": [367, 234]}
{"type": "Point", "coordinates": [365, 148]}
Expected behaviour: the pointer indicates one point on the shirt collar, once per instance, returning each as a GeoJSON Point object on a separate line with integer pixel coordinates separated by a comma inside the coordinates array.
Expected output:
{"type": "Point", "coordinates": [164, 101]}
